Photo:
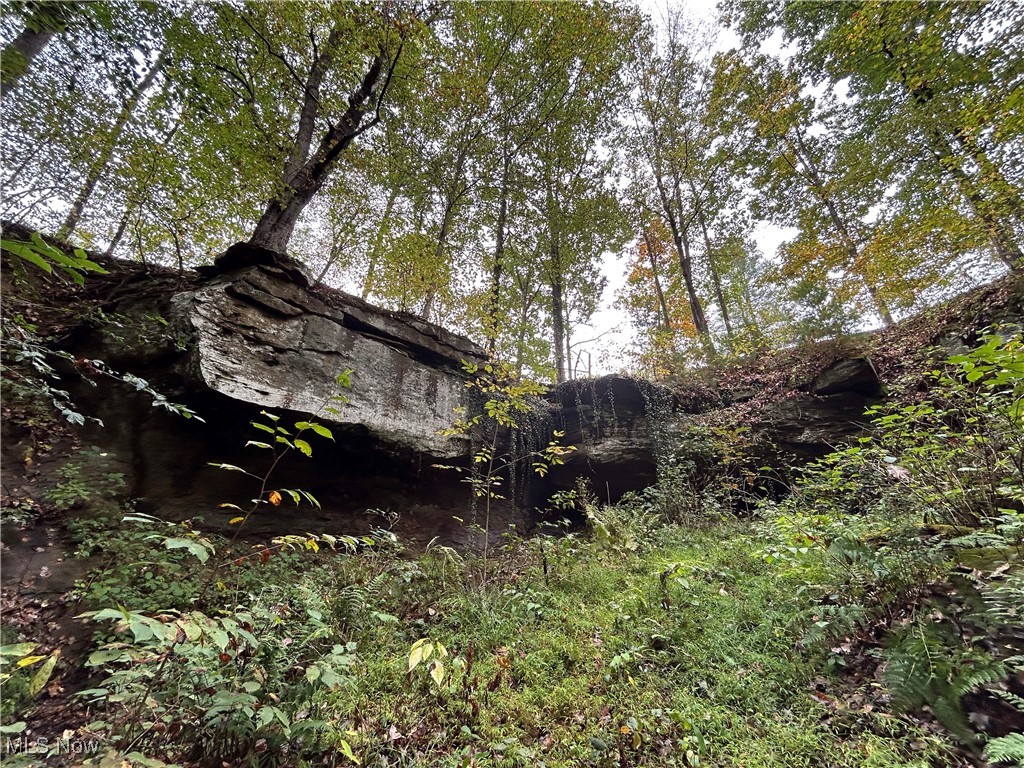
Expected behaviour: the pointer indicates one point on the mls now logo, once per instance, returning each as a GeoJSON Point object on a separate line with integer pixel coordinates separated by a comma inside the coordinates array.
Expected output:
{"type": "Point", "coordinates": [43, 745]}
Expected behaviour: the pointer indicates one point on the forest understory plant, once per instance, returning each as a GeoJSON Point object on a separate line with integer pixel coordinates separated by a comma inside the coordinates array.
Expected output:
{"type": "Point", "coordinates": [235, 670]}
{"type": "Point", "coordinates": [921, 526]}
{"type": "Point", "coordinates": [494, 461]}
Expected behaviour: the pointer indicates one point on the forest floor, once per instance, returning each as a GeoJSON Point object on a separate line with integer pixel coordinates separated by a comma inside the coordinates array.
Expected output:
{"type": "Point", "coordinates": [665, 645]}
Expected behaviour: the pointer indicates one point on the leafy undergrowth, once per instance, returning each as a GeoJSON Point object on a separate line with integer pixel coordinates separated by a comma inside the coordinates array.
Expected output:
{"type": "Point", "coordinates": [686, 655]}
{"type": "Point", "coordinates": [871, 616]}
{"type": "Point", "coordinates": [688, 650]}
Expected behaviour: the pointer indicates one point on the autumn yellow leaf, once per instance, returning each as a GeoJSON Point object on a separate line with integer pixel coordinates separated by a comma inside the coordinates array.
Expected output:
{"type": "Point", "coordinates": [235, 520]}
{"type": "Point", "coordinates": [275, 498]}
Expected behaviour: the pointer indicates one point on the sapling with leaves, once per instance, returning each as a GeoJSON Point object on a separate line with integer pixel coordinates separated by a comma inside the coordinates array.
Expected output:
{"type": "Point", "coordinates": [213, 672]}
{"type": "Point", "coordinates": [283, 441]}
{"type": "Point", "coordinates": [507, 402]}
{"type": "Point", "coordinates": [19, 660]}
{"type": "Point", "coordinates": [960, 453]}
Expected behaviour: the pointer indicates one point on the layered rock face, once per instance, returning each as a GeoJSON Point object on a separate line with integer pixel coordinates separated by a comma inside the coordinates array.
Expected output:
{"type": "Point", "coordinates": [260, 337]}
{"type": "Point", "coordinates": [820, 415]}
{"type": "Point", "coordinates": [621, 425]}
{"type": "Point", "coordinates": [615, 423]}
{"type": "Point", "coordinates": [249, 336]}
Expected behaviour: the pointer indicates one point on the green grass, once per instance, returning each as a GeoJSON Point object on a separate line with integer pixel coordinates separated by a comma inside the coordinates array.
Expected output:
{"type": "Point", "coordinates": [609, 664]}
{"type": "Point", "coordinates": [664, 647]}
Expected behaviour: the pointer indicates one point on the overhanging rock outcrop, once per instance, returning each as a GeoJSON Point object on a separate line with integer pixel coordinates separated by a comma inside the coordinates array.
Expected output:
{"type": "Point", "coordinates": [248, 335]}
{"type": "Point", "coordinates": [618, 425]}
{"type": "Point", "coordinates": [258, 336]}
{"type": "Point", "coordinates": [622, 426]}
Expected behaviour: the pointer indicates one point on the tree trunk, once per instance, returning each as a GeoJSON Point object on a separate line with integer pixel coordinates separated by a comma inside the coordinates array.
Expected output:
{"type": "Point", "coordinates": [494, 299]}
{"type": "Point", "coordinates": [716, 279]}
{"type": "Point", "coordinates": [378, 243]}
{"type": "Point", "coordinates": [48, 19]}
{"type": "Point", "coordinates": [336, 250]}
{"type": "Point", "coordinates": [121, 228]}
{"type": "Point", "coordinates": [1003, 243]}
{"type": "Point", "coordinates": [700, 321]}
{"type": "Point", "coordinates": [99, 166]}
{"type": "Point", "coordinates": [666, 318]}
{"type": "Point", "coordinates": [442, 240]}
{"type": "Point", "coordinates": [555, 280]}
{"type": "Point", "coordinates": [819, 189]}
{"type": "Point", "coordinates": [682, 245]}
{"type": "Point", "coordinates": [1001, 237]}
{"type": "Point", "coordinates": [570, 364]}
{"type": "Point", "coordinates": [276, 225]}
{"type": "Point", "coordinates": [557, 316]}
{"type": "Point", "coordinates": [853, 253]}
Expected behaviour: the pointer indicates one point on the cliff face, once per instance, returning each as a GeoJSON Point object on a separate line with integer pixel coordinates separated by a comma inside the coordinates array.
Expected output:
{"type": "Point", "coordinates": [790, 405]}
{"type": "Point", "coordinates": [258, 337]}
{"type": "Point", "coordinates": [622, 426]}
{"type": "Point", "coordinates": [249, 334]}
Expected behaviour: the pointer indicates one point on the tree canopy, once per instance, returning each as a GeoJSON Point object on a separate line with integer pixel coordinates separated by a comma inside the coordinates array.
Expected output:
{"type": "Point", "coordinates": [481, 165]}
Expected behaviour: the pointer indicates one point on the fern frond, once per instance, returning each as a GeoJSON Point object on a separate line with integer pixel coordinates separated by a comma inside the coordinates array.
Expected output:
{"type": "Point", "coordinates": [948, 711]}
{"type": "Point", "coordinates": [909, 678]}
{"type": "Point", "coordinates": [1008, 750]}
{"type": "Point", "coordinates": [1010, 698]}
{"type": "Point", "coordinates": [375, 586]}
{"type": "Point", "coordinates": [978, 677]}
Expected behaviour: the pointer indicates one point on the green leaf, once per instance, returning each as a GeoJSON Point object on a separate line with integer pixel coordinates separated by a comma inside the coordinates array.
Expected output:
{"type": "Point", "coordinates": [437, 672]}
{"type": "Point", "coordinates": [194, 548]}
{"type": "Point", "coordinates": [321, 430]}
{"type": "Point", "coordinates": [42, 675]}
{"type": "Point", "coordinates": [345, 748]}
{"type": "Point", "coordinates": [303, 446]}
{"type": "Point", "coordinates": [229, 467]}
{"type": "Point", "coordinates": [18, 649]}
{"type": "Point", "coordinates": [24, 252]}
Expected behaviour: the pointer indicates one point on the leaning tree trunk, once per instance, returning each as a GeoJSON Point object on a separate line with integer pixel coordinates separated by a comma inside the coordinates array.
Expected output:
{"type": "Point", "coordinates": [1000, 234]}
{"type": "Point", "coordinates": [666, 318]}
{"type": "Point", "coordinates": [819, 189]}
{"type": "Point", "coordinates": [716, 278]}
{"type": "Point", "coordinates": [46, 20]}
{"type": "Point", "coordinates": [102, 161]}
{"type": "Point", "coordinates": [122, 227]}
{"type": "Point", "coordinates": [276, 225]}
{"type": "Point", "coordinates": [378, 244]}
{"type": "Point", "coordinates": [682, 245]}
